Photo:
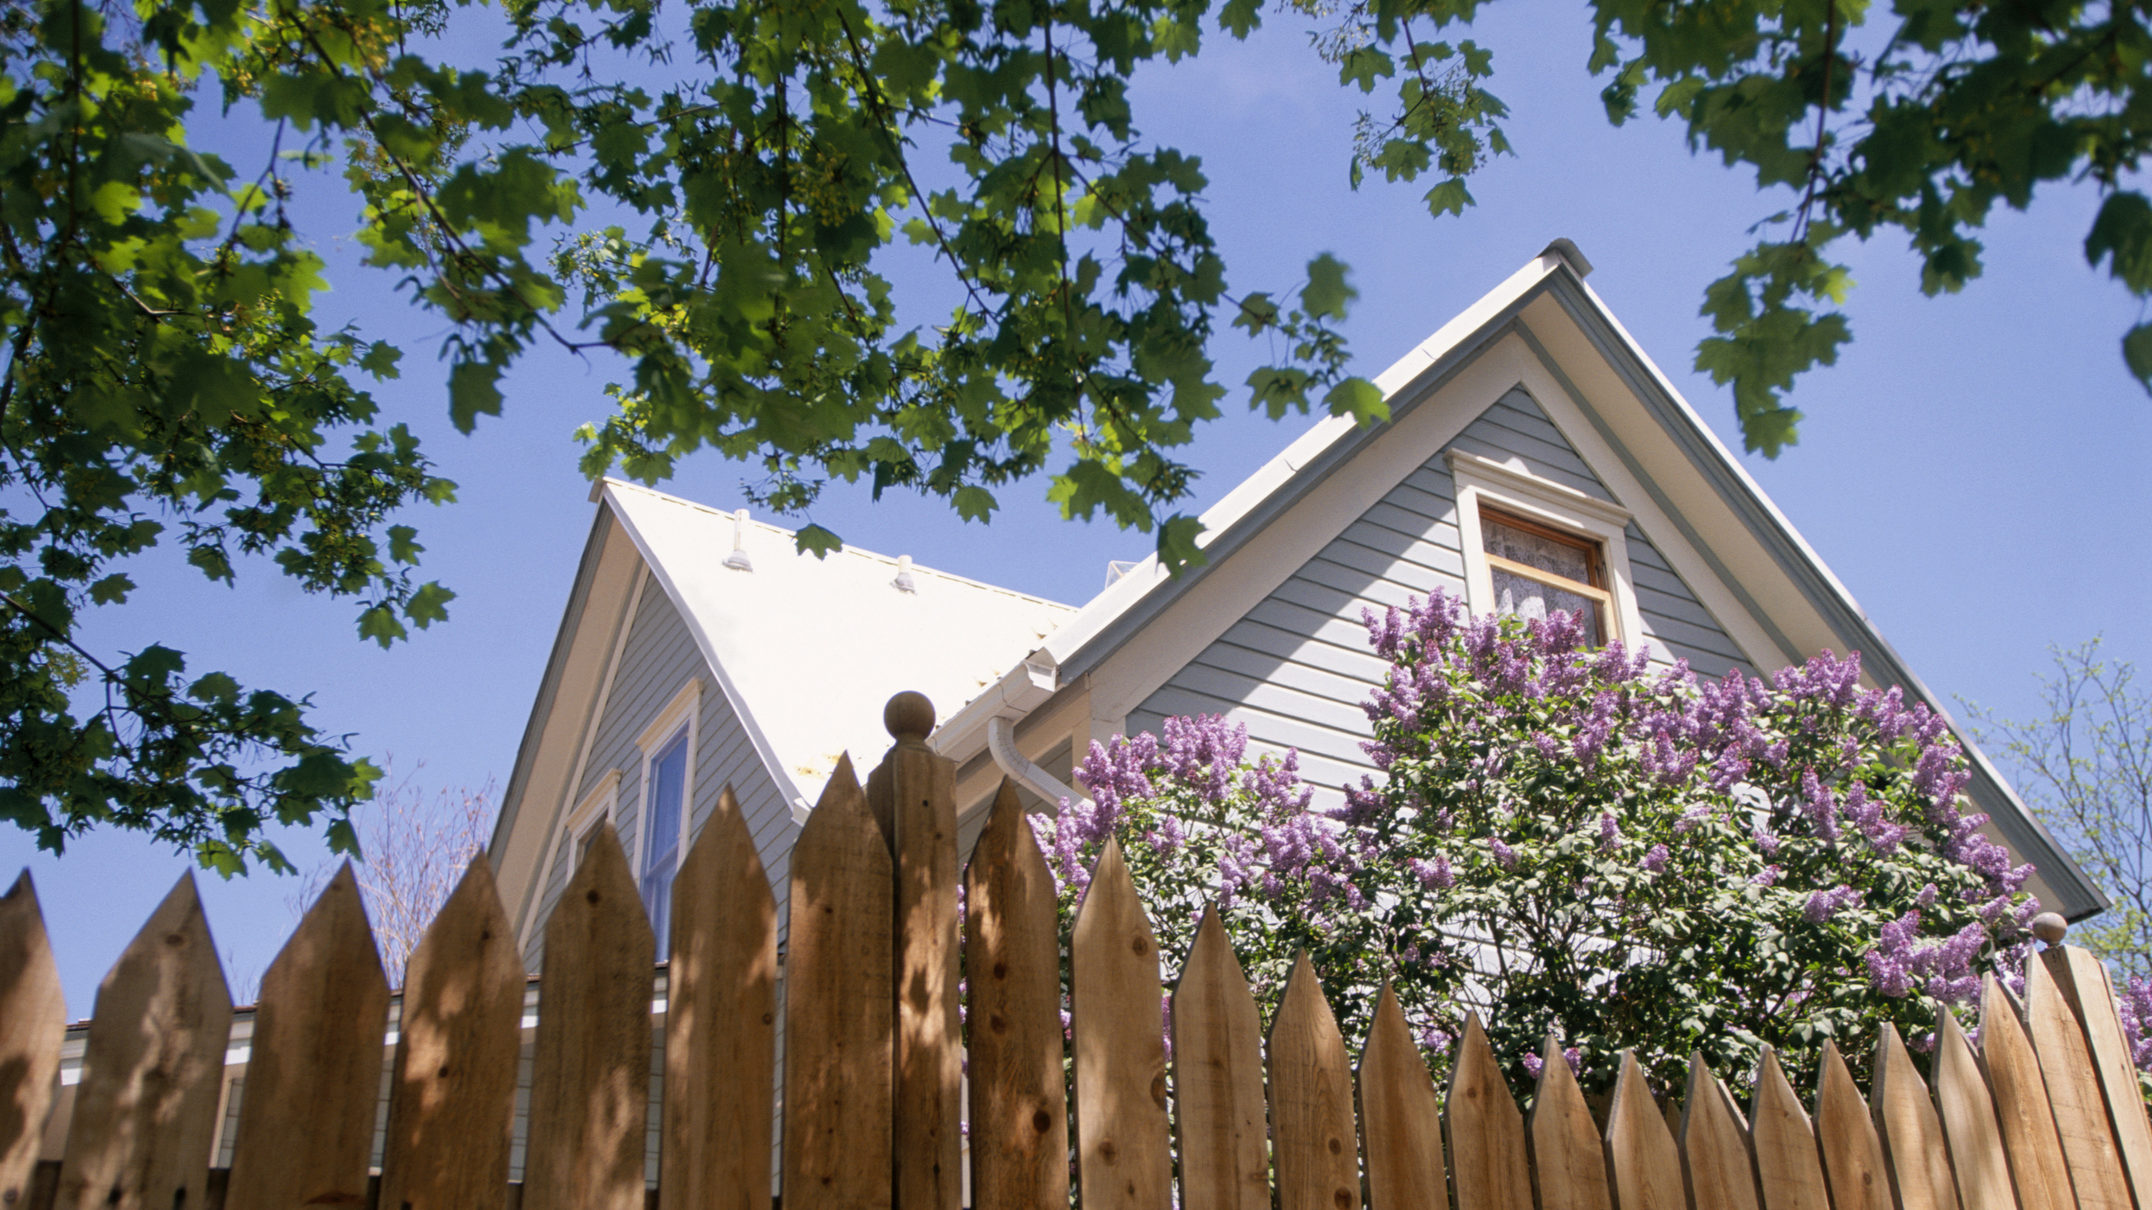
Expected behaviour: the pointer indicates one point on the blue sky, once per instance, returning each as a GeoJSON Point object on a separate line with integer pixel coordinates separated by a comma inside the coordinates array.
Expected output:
{"type": "Point", "coordinates": [1973, 469]}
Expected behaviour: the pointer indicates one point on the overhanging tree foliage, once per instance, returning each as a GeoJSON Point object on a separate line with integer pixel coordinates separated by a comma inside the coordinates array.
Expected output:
{"type": "Point", "coordinates": [713, 195]}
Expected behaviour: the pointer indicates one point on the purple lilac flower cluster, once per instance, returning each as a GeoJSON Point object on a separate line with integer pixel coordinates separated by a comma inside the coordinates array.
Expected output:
{"type": "Point", "coordinates": [1197, 775]}
{"type": "Point", "coordinates": [2137, 1019]}
{"type": "Point", "coordinates": [1903, 961]}
{"type": "Point", "coordinates": [1449, 673]}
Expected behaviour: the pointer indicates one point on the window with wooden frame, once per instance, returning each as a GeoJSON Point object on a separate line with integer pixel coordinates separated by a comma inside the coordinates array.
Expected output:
{"type": "Point", "coordinates": [1532, 546]}
{"type": "Point", "coordinates": [1536, 569]}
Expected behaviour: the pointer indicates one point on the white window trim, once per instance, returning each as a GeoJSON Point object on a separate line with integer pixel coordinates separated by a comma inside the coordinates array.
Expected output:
{"type": "Point", "coordinates": [1483, 482]}
{"type": "Point", "coordinates": [683, 711]}
{"type": "Point", "coordinates": [601, 805]}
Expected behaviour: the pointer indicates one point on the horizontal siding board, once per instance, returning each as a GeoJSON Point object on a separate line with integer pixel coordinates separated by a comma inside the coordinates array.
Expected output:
{"type": "Point", "coordinates": [1409, 523]}
{"type": "Point", "coordinates": [1545, 460]}
{"type": "Point", "coordinates": [1421, 576]}
{"type": "Point", "coordinates": [1336, 631]}
{"type": "Point", "coordinates": [1434, 479]}
{"type": "Point", "coordinates": [1521, 413]}
{"type": "Point", "coordinates": [1658, 602]}
{"type": "Point", "coordinates": [1272, 698]}
{"type": "Point", "coordinates": [1265, 728]}
{"type": "Point", "coordinates": [1320, 683]}
{"type": "Point", "coordinates": [1435, 550]}
{"type": "Point", "coordinates": [1686, 637]}
{"type": "Point", "coordinates": [1362, 666]}
{"type": "Point", "coordinates": [1487, 441]}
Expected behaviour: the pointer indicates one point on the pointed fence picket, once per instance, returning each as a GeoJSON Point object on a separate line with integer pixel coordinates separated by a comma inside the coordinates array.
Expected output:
{"type": "Point", "coordinates": [146, 1108]}
{"type": "Point", "coordinates": [1019, 1099]}
{"type": "Point", "coordinates": [306, 1127]}
{"type": "Point", "coordinates": [1968, 1116]}
{"type": "Point", "coordinates": [1789, 1170]}
{"type": "Point", "coordinates": [1401, 1117]}
{"type": "Point", "coordinates": [1853, 1163]}
{"type": "Point", "coordinates": [720, 1023]}
{"type": "Point", "coordinates": [1912, 1136]}
{"type": "Point", "coordinates": [839, 1009]}
{"type": "Point", "coordinates": [1123, 1157]}
{"type": "Point", "coordinates": [33, 1022]}
{"type": "Point", "coordinates": [1566, 1150]}
{"type": "Point", "coordinates": [590, 1078]}
{"type": "Point", "coordinates": [1219, 1123]}
{"type": "Point", "coordinates": [1715, 1144]}
{"type": "Point", "coordinates": [1312, 1139]}
{"type": "Point", "coordinates": [1487, 1158]}
{"type": "Point", "coordinates": [2046, 1115]}
{"type": "Point", "coordinates": [452, 1094]}
{"type": "Point", "coordinates": [1643, 1165]}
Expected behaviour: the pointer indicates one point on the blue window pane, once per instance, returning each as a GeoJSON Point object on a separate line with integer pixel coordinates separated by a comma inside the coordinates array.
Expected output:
{"type": "Point", "coordinates": [661, 833]}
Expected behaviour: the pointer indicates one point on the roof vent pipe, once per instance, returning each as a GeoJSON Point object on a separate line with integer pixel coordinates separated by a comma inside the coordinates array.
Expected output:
{"type": "Point", "coordinates": [738, 560]}
{"type": "Point", "coordinates": [1001, 744]}
{"type": "Point", "coordinates": [904, 581]}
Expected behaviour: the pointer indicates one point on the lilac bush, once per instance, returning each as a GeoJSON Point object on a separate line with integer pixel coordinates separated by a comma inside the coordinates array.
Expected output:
{"type": "Point", "coordinates": [1571, 839]}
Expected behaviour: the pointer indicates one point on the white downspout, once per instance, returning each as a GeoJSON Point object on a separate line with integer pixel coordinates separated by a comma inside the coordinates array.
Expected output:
{"type": "Point", "coordinates": [1001, 744]}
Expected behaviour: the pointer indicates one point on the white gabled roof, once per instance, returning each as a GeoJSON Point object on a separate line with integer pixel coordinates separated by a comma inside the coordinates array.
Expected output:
{"type": "Point", "coordinates": [808, 650]}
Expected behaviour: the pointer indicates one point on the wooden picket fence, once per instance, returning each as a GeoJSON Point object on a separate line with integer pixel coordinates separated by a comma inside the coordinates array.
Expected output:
{"type": "Point", "coordinates": [2044, 1115]}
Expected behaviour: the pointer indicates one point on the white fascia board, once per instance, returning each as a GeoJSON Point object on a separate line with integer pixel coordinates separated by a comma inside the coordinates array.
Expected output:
{"type": "Point", "coordinates": [1021, 690]}
{"type": "Point", "coordinates": [781, 776]}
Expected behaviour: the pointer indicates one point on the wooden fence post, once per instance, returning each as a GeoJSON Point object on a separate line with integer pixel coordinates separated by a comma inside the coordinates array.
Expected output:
{"type": "Point", "coordinates": [915, 790]}
{"type": "Point", "coordinates": [2073, 1091]}
{"type": "Point", "coordinates": [2083, 980]}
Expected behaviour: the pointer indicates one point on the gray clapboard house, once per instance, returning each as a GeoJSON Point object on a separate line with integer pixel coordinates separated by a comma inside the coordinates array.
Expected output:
{"type": "Point", "coordinates": [1535, 458]}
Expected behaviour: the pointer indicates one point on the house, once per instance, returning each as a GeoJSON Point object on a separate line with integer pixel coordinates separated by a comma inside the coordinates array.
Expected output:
{"type": "Point", "coordinates": [1533, 452]}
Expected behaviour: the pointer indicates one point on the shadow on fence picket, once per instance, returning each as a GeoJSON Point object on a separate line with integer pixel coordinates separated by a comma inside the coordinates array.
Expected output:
{"type": "Point", "coordinates": [2045, 1115]}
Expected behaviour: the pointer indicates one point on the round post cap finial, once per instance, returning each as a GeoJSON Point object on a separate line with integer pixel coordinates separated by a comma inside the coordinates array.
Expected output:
{"type": "Point", "coordinates": [909, 716]}
{"type": "Point", "coordinates": [2049, 927]}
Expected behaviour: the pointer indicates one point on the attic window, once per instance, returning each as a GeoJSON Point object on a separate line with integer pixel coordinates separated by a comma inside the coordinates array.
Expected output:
{"type": "Point", "coordinates": [1532, 545]}
{"type": "Point", "coordinates": [668, 746]}
{"type": "Point", "coordinates": [1536, 569]}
